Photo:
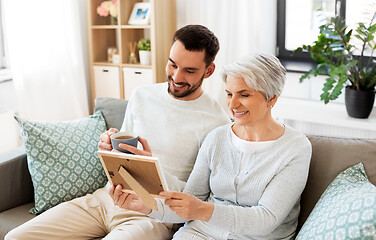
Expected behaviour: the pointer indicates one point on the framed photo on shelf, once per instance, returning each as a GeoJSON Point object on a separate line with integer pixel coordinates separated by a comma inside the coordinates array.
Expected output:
{"type": "Point", "coordinates": [140, 14]}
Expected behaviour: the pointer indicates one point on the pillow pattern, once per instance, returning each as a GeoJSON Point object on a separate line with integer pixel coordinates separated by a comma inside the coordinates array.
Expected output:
{"type": "Point", "coordinates": [346, 210]}
{"type": "Point", "coordinates": [62, 158]}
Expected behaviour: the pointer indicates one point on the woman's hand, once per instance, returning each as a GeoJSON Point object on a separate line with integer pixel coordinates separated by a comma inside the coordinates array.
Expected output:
{"type": "Point", "coordinates": [188, 206]}
{"type": "Point", "coordinates": [128, 201]}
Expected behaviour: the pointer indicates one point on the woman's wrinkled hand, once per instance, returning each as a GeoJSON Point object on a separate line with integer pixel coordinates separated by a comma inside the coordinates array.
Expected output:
{"type": "Point", "coordinates": [187, 206]}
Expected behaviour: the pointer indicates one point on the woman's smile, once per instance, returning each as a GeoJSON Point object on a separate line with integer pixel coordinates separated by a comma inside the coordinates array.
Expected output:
{"type": "Point", "coordinates": [239, 114]}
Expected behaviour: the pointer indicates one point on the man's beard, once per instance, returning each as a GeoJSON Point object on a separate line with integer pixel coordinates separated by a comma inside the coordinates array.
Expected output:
{"type": "Point", "coordinates": [180, 94]}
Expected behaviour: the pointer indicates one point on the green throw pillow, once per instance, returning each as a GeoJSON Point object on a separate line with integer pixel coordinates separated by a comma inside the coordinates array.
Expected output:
{"type": "Point", "coordinates": [346, 210]}
{"type": "Point", "coordinates": [62, 158]}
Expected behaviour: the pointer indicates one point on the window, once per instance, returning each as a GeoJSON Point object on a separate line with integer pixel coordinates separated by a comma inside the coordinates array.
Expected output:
{"type": "Point", "coordinates": [2, 50]}
{"type": "Point", "coordinates": [4, 71]}
{"type": "Point", "coordinates": [299, 21]}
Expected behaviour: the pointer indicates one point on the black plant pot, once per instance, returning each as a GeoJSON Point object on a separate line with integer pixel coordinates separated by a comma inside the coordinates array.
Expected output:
{"type": "Point", "coordinates": [359, 103]}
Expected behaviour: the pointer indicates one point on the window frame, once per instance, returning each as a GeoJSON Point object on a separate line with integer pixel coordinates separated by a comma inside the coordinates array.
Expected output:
{"type": "Point", "coordinates": [5, 72]}
{"type": "Point", "coordinates": [300, 62]}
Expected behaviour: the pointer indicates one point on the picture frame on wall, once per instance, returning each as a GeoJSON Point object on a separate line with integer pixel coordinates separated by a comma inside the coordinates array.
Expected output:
{"type": "Point", "coordinates": [140, 14]}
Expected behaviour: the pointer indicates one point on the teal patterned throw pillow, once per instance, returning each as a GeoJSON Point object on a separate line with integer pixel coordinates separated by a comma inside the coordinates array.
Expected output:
{"type": "Point", "coordinates": [62, 158]}
{"type": "Point", "coordinates": [346, 210]}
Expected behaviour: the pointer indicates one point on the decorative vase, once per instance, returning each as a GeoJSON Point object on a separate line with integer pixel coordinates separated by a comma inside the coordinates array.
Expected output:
{"type": "Point", "coordinates": [359, 103]}
{"type": "Point", "coordinates": [145, 57]}
{"type": "Point", "coordinates": [114, 20]}
{"type": "Point", "coordinates": [132, 58]}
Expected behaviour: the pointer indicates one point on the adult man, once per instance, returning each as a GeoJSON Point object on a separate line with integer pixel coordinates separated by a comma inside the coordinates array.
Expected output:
{"type": "Point", "coordinates": [174, 117]}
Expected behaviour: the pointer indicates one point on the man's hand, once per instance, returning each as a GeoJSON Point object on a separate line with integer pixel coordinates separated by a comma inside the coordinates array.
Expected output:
{"type": "Point", "coordinates": [134, 150]}
{"type": "Point", "coordinates": [128, 201]}
{"type": "Point", "coordinates": [105, 140]}
{"type": "Point", "coordinates": [188, 206]}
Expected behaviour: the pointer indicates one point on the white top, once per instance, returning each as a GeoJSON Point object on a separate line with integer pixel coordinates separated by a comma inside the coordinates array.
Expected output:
{"type": "Point", "coordinates": [174, 129]}
{"type": "Point", "coordinates": [247, 148]}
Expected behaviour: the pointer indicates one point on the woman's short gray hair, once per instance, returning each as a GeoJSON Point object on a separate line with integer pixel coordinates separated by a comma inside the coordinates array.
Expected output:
{"type": "Point", "coordinates": [261, 72]}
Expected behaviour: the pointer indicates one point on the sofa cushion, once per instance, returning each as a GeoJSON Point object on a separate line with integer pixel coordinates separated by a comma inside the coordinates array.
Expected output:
{"type": "Point", "coordinates": [346, 210]}
{"type": "Point", "coordinates": [330, 156]}
{"type": "Point", "coordinates": [113, 111]}
{"type": "Point", "coordinates": [14, 217]}
{"type": "Point", "coordinates": [62, 159]}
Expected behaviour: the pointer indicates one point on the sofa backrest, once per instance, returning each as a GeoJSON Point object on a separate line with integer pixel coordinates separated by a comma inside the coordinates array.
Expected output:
{"type": "Point", "coordinates": [113, 110]}
{"type": "Point", "coordinates": [330, 156]}
{"type": "Point", "coordinates": [15, 182]}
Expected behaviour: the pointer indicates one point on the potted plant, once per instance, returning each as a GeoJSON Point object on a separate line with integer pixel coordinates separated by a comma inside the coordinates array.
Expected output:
{"type": "Point", "coordinates": [144, 48]}
{"type": "Point", "coordinates": [335, 57]}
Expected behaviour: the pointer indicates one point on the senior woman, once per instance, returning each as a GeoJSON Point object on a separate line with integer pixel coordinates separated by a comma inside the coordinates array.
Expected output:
{"type": "Point", "coordinates": [249, 174]}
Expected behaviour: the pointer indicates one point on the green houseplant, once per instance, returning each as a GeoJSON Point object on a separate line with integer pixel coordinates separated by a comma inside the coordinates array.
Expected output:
{"type": "Point", "coordinates": [144, 45]}
{"type": "Point", "coordinates": [335, 57]}
{"type": "Point", "coordinates": [144, 48]}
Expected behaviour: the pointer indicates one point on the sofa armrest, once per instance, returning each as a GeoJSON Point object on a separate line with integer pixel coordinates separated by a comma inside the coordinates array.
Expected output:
{"type": "Point", "coordinates": [16, 187]}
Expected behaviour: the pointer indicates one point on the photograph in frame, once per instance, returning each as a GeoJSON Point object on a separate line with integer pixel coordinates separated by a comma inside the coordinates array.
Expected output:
{"type": "Point", "coordinates": [140, 14]}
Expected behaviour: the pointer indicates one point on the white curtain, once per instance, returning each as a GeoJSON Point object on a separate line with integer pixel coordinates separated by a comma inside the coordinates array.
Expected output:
{"type": "Point", "coordinates": [243, 27]}
{"type": "Point", "coordinates": [47, 49]}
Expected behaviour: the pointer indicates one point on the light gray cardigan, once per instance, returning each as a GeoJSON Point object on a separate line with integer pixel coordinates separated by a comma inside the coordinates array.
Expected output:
{"type": "Point", "coordinates": [265, 203]}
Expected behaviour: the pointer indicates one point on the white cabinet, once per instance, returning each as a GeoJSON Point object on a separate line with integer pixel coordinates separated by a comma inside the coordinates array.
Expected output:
{"type": "Point", "coordinates": [107, 81]}
{"type": "Point", "coordinates": [135, 77]}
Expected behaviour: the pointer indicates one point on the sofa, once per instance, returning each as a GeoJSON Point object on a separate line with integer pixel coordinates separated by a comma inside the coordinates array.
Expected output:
{"type": "Point", "coordinates": [330, 156]}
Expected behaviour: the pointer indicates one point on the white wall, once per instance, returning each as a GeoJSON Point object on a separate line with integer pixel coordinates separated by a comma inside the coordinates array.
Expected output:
{"type": "Point", "coordinates": [309, 89]}
{"type": "Point", "coordinates": [243, 27]}
{"type": "Point", "coordinates": [248, 27]}
{"type": "Point", "coordinates": [9, 129]}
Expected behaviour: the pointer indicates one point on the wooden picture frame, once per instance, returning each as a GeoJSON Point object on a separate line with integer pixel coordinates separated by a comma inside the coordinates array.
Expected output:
{"type": "Point", "coordinates": [137, 174]}
{"type": "Point", "coordinates": [144, 169]}
{"type": "Point", "coordinates": [140, 14]}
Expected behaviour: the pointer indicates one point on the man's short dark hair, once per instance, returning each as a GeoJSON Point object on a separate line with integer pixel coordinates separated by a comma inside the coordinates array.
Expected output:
{"type": "Point", "coordinates": [198, 38]}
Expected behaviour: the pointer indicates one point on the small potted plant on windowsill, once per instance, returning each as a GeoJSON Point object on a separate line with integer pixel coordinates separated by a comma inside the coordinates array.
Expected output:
{"type": "Point", "coordinates": [334, 55]}
{"type": "Point", "coordinates": [144, 50]}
